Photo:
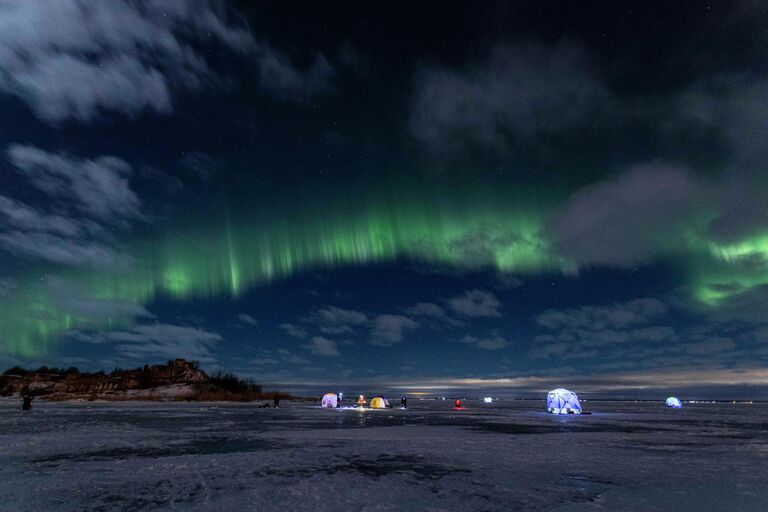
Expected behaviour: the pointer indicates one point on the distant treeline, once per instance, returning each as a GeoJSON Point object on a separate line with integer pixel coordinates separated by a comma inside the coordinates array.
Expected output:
{"type": "Point", "coordinates": [43, 370]}
{"type": "Point", "coordinates": [234, 384]}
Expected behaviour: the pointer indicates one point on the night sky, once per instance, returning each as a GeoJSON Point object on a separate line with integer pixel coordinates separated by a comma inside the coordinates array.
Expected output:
{"type": "Point", "coordinates": [421, 194]}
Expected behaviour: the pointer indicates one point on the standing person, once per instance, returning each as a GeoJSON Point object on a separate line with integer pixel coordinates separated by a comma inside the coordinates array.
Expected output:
{"type": "Point", "coordinates": [26, 403]}
{"type": "Point", "coordinates": [276, 400]}
{"type": "Point", "coordinates": [361, 401]}
{"type": "Point", "coordinates": [404, 403]}
{"type": "Point", "coordinates": [458, 404]}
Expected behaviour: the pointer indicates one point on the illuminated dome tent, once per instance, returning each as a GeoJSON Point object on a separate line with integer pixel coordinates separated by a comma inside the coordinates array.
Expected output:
{"type": "Point", "coordinates": [379, 403]}
{"type": "Point", "coordinates": [488, 400]}
{"type": "Point", "coordinates": [562, 401]}
{"type": "Point", "coordinates": [330, 400]}
{"type": "Point", "coordinates": [674, 402]}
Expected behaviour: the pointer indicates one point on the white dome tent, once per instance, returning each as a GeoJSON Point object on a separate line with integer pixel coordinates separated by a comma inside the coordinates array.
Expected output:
{"type": "Point", "coordinates": [674, 402]}
{"type": "Point", "coordinates": [562, 401]}
{"type": "Point", "coordinates": [330, 400]}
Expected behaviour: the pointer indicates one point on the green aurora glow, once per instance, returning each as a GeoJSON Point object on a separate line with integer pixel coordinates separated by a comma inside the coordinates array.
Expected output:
{"type": "Point", "coordinates": [226, 257]}
{"type": "Point", "coordinates": [737, 268]}
{"type": "Point", "coordinates": [242, 246]}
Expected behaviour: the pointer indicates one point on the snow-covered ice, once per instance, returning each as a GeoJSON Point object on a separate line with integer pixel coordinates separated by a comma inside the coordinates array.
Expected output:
{"type": "Point", "coordinates": [508, 456]}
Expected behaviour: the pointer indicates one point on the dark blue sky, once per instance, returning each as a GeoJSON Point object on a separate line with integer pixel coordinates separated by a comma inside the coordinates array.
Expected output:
{"type": "Point", "coordinates": [462, 194]}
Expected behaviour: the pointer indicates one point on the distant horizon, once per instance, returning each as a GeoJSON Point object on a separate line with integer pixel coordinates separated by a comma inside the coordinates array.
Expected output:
{"type": "Point", "coordinates": [594, 387]}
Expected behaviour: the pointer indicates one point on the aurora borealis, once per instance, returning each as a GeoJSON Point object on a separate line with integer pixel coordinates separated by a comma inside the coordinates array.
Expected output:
{"type": "Point", "coordinates": [528, 191]}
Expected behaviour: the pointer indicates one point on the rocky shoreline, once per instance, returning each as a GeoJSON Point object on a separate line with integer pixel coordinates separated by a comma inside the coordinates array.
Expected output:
{"type": "Point", "coordinates": [177, 380]}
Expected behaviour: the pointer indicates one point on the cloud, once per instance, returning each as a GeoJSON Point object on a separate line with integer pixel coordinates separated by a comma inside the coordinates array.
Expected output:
{"type": "Point", "coordinates": [384, 329]}
{"type": "Point", "coordinates": [202, 165]}
{"type": "Point", "coordinates": [19, 216]}
{"type": "Point", "coordinates": [733, 105]}
{"type": "Point", "coordinates": [277, 357]}
{"type": "Point", "coordinates": [289, 357]}
{"type": "Point", "coordinates": [657, 210]}
{"type": "Point", "coordinates": [158, 341]}
{"type": "Point", "coordinates": [284, 81]}
{"type": "Point", "coordinates": [505, 281]}
{"type": "Point", "coordinates": [727, 111]}
{"type": "Point", "coordinates": [333, 320]}
{"type": "Point", "coordinates": [432, 312]}
{"type": "Point", "coordinates": [62, 86]}
{"type": "Point", "coordinates": [476, 303]}
{"type": "Point", "coordinates": [78, 302]}
{"type": "Point", "coordinates": [741, 303]}
{"type": "Point", "coordinates": [295, 331]}
{"type": "Point", "coordinates": [388, 329]}
{"type": "Point", "coordinates": [322, 347]}
{"type": "Point", "coordinates": [96, 187]}
{"type": "Point", "coordinates": [66, 251]}
{"type": "Point", "coordinates": [741, 208]}
{"type": "Point", "coordinates": [482, 246]}
{"type": "Point", "coordinates": [247, 319]}
{"type": "Point", "coordinates": [427, 309]}
{"type": "Point", "coordinates": [616, 316]}
{"type": "Point", "coordinates": [494, 342]}
{"type": "Point", "coordinates": [133, 56]}
{"type": "Point", "coordinates": [86, 199]}
{"type": "Point", "coordinates": [126, 61]}
{"type": "Point", "coordinates": [629, 219]}
{"type": "Point", "coordinates": [638, 343]}
{"type": "Point", "coordinates": [588, 331]}
{"type": "Point", "coordinates": [521, 94]}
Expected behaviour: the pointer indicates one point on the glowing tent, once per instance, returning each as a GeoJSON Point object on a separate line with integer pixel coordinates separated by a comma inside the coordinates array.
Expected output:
{"type": "Point", "coordinates": [330, 400]}
{"type": "Point", "coordinates": [562, 401]}
{"type": "Point", "coordinates": [379, 403]}
{"type": "Point", "coordinates": [674, 402]}
{"type": "Point", "coordinates": [488, 400]}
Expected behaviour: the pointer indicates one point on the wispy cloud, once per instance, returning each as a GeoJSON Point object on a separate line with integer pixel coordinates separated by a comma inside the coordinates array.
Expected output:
{"type": "Point", "coordinates": [157, 341]}
{"type": "Point", "coordinates": [334, 320]}
{"type": "Point", "coordinates": [323, 347]}
{"type": "Point", "coordinates": [520, 94]}
{"type": "Point", "coordinates": [75, 59]}
{"type": "Point", "coordinates": [493, 342]}
{"type": "Point", "coordinates": [295, 331]}
{"type": "Point", "coordinates": [247, 319]}
{"type": "Point", "coordinates": [388, 329]}
{"type": "Point", "coordinates": [476, 303]}
{"type": "Point", "coordinates": [87, 201]}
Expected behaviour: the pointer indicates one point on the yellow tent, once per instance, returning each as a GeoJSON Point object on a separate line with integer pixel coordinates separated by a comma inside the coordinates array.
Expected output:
{"type": "Point", "coordinates": [378, 403]}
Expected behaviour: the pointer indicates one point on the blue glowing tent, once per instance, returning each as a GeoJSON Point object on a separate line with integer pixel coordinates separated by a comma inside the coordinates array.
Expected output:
{"type": "Point", "coordinates": [562, 401]}
{"type": "Point", "coordinates": [674, 402]}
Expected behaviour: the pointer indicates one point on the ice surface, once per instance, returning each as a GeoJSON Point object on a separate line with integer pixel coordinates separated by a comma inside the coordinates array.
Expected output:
{"type": "Point", "coordinates": [508, 456]}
